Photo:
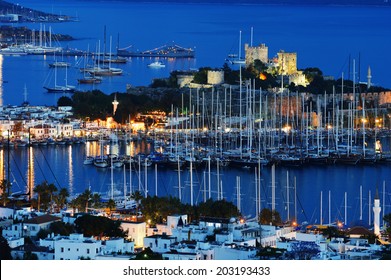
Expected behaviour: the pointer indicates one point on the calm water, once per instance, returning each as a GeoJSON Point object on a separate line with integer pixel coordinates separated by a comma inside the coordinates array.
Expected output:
{"type": "Point", "coordinates": [63, 165]}
{"type": "Point", "coordinates": [322, 37]}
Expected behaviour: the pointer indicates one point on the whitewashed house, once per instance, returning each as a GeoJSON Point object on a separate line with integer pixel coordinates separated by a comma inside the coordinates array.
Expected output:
{"type": "Point", "coordinates": [117, 246]}
{"type": "Point", "coordinates": [235, 252]}
{"type": "Point", "coordinates": [159, 243]}
{"type": "Point", "coordinates": [76, 247]}
{"type": "Point", "coordinates": [136, 232]}
{"type": "Point", "coordinates": [30, 227]}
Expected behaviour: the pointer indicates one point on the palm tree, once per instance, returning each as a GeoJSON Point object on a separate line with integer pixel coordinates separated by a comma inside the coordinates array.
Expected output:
{"type": "Point", "coordinates": [62, 196]}
{"type": "Point", "coordinates": [136, 196]}
{"type": "Point", "coordinates": [111, 205]}
{"type": "Point", "coordinates": [51, 189]}
{"type": "Point", "coordinates": [74, 204]}
{"type": "Point", "coordinates": [40, 189]}
{"type": "Point", "coordinates": [96, 200]}
{"type": "Point", "coordinates": [85, 197]}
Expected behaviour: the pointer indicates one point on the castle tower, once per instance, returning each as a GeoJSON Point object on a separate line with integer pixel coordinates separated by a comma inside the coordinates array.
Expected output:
{"type": "Point", "coordinates": [376, 213]}
{"type": "Point", "coordinates": [369, 77]}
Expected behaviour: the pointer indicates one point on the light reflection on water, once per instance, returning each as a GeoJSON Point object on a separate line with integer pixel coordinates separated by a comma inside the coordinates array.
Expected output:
{"type": "Point", "coordinates": [63, 165]}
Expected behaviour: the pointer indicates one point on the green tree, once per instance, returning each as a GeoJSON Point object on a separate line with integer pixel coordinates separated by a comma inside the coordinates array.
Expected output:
{"type": "Point", "coordinates": [98, 226]}
{"type": "Point", "coordinates": [148, 254]}
{"type": "Point", "coordinates": [269, 217]}
{"type": "Point", "coordinates": [62, 197]}
{"type": "Point", "coordinates": [64, 101]}
{"type": "Point", "coordinates": [85, 198]}
{"type": "Point", "coordinates": [5, 250]}
{"type": "Point", "coordinates": [110, 204]}
{"type": "Point", "coordinates": [96, 200]}
{"type": "Point", "coordinates": [201, 77]}
{"type": "Point", "coordinates": [51, 189]}
{"type": "Point", "coordinates": [137, 196]}
{"type": "Point", "coordinates": [43, 233]}
{"type": "Point", "coordinates": [41, 191]}
{"type": "Point", "coordinates": [61, 228]}
{"type": "Point", "coordinates": [218, 209]}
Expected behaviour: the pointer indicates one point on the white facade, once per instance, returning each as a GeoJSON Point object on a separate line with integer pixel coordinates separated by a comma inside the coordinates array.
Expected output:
{"type": "Point", "coordinates": [76, 247]}
{"type": "Point", "coordinates": [159, 243]}
{"type": "Point", "coordinates": [177, 256]}
{"type": "Point", "coordinates": [172, 222]}
{"type": "Point", "coordinates": [136, 232]}
{"type": "Point", "coordinates": [190, 233]}
{"type": "Point", "coordinates": [30, 227]}
{"type": "Point", "coordinates": [43, 131]}
{"type": "Point", "coordinates": [234, 252]}
{"type": "Point", "coordinates": [64, 130]}
{"type": "Point", "coordinates": [118, 245]}
{"type": "Point", "coordinates": [14, 242]}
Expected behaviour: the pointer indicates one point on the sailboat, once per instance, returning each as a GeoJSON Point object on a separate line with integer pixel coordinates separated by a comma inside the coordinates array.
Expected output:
{"type": "Point", "coordinates": [105, 70]}
{"type": "Point", "coordinates": [60, 89]}
{"type": "Point", "coordinates": [89, 79]}
{"type": "Point", "coordinates": [237, 59]}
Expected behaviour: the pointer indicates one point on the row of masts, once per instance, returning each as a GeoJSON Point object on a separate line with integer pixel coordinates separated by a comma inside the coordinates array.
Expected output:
{"type": "Point", "coordinates": [263, 121]}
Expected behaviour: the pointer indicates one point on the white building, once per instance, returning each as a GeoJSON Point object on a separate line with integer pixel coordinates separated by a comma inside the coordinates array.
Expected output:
{"type": "Point", "coordinates": [118, 245]}
{"type": "Point", "coordinates": [14, 242]}
{"type": "Point", "coordinates": [190, 250]}
{"type": "Point", "coordinates": [73, 247]}
{"type": "Point", "coordinates": [159, 243]}
{"type": "Point", "coordinates": [136, 232]}
{"type": "Point", "coordinates": [235, 252]}
{"type": "Point", "coordinates": [181, 256]}
{"type": "Point", "coordinates": [189, 233]}
{"type": "Point", "coordinates": [30, 227]}
{"type": "Point", "coordinates": [174, 221]}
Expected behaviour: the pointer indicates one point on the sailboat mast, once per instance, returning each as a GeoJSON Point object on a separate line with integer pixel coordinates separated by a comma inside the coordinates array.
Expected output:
{"type": "Point", "coordinates": [238, 193]}
{"type": "Point", "coordinates": [130, 176]}
{"type": "Point", "coordinates": [346, 207]}
{"type": "Point", "coordinates": [146, 177]}
{"type": "Point", "coordinates": [155, 179]}
{"type": "Point", "coordinates": [321, 207]}
{"type": "Point", "coordinates": [179, 180]}
{"type": "Point", "coordinates": [124, 187]}
{"type": "Point", "coordinates": [287, 195]}
{"type": "Point", "coordinates": [209, 178]}
{"type": "Point", "coordinates": [369, 208]}
{"type": "Point", "coordinates": [273, 189]}
{"type": "Point", "coordinates": [361, 203]}
{"type": "Point", "coordinates": [191, 180]}
{"type": "Point", "coordinates": [329, 207]}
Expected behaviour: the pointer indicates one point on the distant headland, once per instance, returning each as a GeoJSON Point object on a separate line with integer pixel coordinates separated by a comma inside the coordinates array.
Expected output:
{"type": "Point", "coordinates": [10, 13]}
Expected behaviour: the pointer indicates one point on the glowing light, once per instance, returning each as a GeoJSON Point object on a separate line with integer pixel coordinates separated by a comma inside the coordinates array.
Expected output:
{"type": "Point", "coordinates": [286, 129]}
{"type": "Point", "coordinates": [262, 76]}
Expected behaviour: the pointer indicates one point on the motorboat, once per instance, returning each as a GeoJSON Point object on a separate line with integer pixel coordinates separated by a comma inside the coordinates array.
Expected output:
{"type": "Point", "coordinates": [156, 64]}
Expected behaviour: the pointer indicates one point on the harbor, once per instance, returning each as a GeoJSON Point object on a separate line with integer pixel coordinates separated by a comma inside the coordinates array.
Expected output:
{"type": "Point", "coordinates": [225, 149]}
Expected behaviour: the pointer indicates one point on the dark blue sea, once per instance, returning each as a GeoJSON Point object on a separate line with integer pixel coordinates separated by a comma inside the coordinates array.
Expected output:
{"type": "Point", "coordinates": [323, 36]}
